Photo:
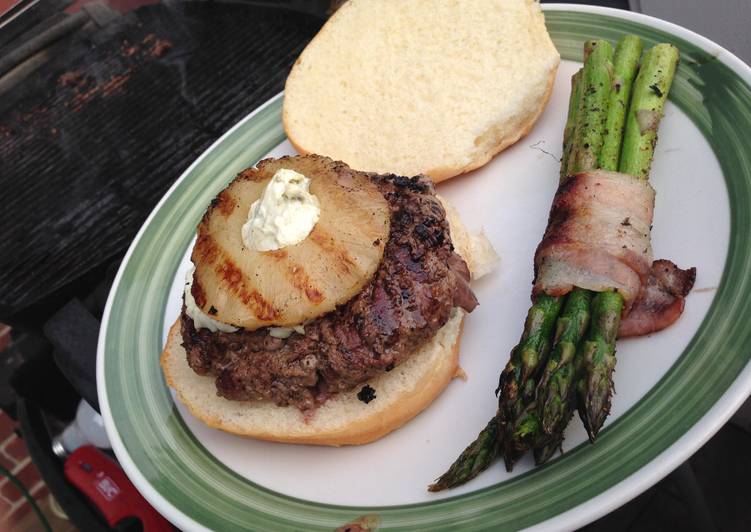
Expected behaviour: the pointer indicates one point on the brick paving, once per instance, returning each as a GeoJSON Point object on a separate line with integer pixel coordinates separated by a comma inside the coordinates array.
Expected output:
{"type": "Point", "coordinates": [15, 458]}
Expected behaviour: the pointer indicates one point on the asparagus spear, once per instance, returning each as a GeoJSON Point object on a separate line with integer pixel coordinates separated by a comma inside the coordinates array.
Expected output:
{"type": "Point", "coordinates": [590, 118]}
{"type": "Point", "coordinates": [558, 408]}
{"type": "Point", "coordinates": [526, 425]}
{"type": "Point", "coordinates": [597, 361]}
{"type": "Point", "coordinates": [650, 91]}
{"type": "Point", "coordinates": [647, 105]}
{"type": "Point", "coordinates": [515, 387]}
{"type": "Point", "coordinates": [586, 118]}
{"type": "Point", "coordinates": [548, 444]}
{"type": "Point", "coordinates": [589, 132]}
{"type": "Point", "coordinates": [553, 390]}
{"type": "Point", "coordinates": [474, 459]}
{"type": "Point", "coordinates": [625, 63]}
{"type": "Point", "coordinates": [546, 417]}
{"type": "Point", "coordinates": [523, 425]}
{"type": "Point", "coordinates": [594, 362]}
{"type": "Point", "coordinates": [527, 356]}
{"type": "Point", "coordinates": [568, 130]}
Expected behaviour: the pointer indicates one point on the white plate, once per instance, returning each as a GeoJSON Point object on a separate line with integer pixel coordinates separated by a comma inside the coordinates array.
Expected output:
{"type": "Point", "coordinates": [199, 477]}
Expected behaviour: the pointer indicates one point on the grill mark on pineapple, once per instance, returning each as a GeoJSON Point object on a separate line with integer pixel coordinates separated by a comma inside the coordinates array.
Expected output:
{"type": "Point", "coordinates": [198, 293]}
{"type": "Point", "coordinates": [232, 277]}
{"type": "Point", "coordinates": [329, 247]}
{"type": "Point", "coordinates": [206, 249]}
{"type": "Point", "coordinates": [300, 280]}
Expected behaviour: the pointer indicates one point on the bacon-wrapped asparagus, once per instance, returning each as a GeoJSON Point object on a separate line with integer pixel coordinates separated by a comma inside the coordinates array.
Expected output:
{"type": "Point", "coordinates": [538, 388]}
{"type": "Point", "coordinates": [650, 93]}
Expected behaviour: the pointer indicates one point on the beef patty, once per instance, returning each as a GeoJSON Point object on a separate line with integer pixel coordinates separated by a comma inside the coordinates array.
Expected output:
{"type": "Point", "coordinates": [411, 295]}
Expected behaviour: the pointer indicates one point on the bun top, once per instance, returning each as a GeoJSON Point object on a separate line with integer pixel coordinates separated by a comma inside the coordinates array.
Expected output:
{"type": "Point", "coordinates": [420, 87]}
{"type": "Point", "coordinates": [237, 285]}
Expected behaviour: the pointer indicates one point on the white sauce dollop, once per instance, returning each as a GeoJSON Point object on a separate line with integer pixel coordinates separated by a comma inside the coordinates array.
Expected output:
{"type": "Point", "coordinates": [201, 320]}
{"type": "Point", "coordinates": [284, 215]}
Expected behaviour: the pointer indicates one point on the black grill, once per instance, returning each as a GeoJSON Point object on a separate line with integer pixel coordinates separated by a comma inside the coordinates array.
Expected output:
{"type": "Point", "coordinates": [90, 142]}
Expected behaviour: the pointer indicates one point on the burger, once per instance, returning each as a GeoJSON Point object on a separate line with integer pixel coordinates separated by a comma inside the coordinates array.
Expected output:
{"type": "Point", "coordinates": [325, 305]}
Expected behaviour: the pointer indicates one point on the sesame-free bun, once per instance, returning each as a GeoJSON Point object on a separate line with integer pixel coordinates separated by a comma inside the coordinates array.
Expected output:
{"type": "Point", "coordinates": [401, 393]}
{"type": "Point", "coordinates": [421, 86]}
{"type": "Point", "coordinates": [342, 420]}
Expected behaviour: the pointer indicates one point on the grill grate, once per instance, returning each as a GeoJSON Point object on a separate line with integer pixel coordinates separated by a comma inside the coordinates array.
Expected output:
{"type": "Point", "coordinates": [95, 138]}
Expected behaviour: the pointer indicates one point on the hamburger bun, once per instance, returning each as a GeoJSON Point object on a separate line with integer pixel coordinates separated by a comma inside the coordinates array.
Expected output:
{"type": "Point", "coordinates": [421, 87]}
{"type": "Point", "coordinates": [344, 419]}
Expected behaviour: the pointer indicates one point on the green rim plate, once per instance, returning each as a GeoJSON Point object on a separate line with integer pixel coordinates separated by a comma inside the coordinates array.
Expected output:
{"type": "Point", "coordinates": [194, 490]}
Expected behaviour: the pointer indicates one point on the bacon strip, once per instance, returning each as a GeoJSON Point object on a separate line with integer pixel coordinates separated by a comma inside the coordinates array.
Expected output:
{"type": "Point", "coordinates": [661, 301]}
{"type": "Point", "coordinates": [598, 236]}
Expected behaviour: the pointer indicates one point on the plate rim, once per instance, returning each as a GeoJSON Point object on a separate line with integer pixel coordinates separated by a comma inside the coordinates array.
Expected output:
{"type": "Point", "coordinates": [583, 513]}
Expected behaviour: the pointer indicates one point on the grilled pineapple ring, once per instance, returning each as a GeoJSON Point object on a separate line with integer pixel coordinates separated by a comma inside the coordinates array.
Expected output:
{"type": "Point", "coordinates": [254, 289]}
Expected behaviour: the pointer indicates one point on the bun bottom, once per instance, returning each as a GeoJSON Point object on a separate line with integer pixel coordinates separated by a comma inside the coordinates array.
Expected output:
{"type": "Point", "coordinates": [401, 394]}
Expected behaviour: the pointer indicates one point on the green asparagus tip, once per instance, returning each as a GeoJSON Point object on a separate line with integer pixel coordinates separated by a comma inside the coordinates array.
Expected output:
{"type": "Point", "coordinates": [598, 360]}
{"type": "Point", "coordinates": [511, 457]}
{"type": "Point", "coordinates": [545, 452]}
{"type": "Point", "coordinates": [473, 460]}
{"type": "Point", "coordinates": [598, 407]}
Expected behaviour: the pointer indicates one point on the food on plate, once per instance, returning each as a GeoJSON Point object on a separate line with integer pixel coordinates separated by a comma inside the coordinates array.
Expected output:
{"type": "Point", "coordinates": [421, 87]}
{"type": "Point", "coordinates": [595, 277]}
{"type": "Point", "coordinates": [260, 285]}
{"type": "Point", "coordinates": [326, 304]}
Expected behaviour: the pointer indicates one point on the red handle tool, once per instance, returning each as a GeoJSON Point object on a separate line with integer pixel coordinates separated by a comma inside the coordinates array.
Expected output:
{"type": "Point", "coordinates": [103, 481]}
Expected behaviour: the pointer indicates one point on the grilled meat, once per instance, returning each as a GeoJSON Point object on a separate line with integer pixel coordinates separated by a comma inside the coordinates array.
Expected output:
{"type": "Point", "coordinates": [410, 296]}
